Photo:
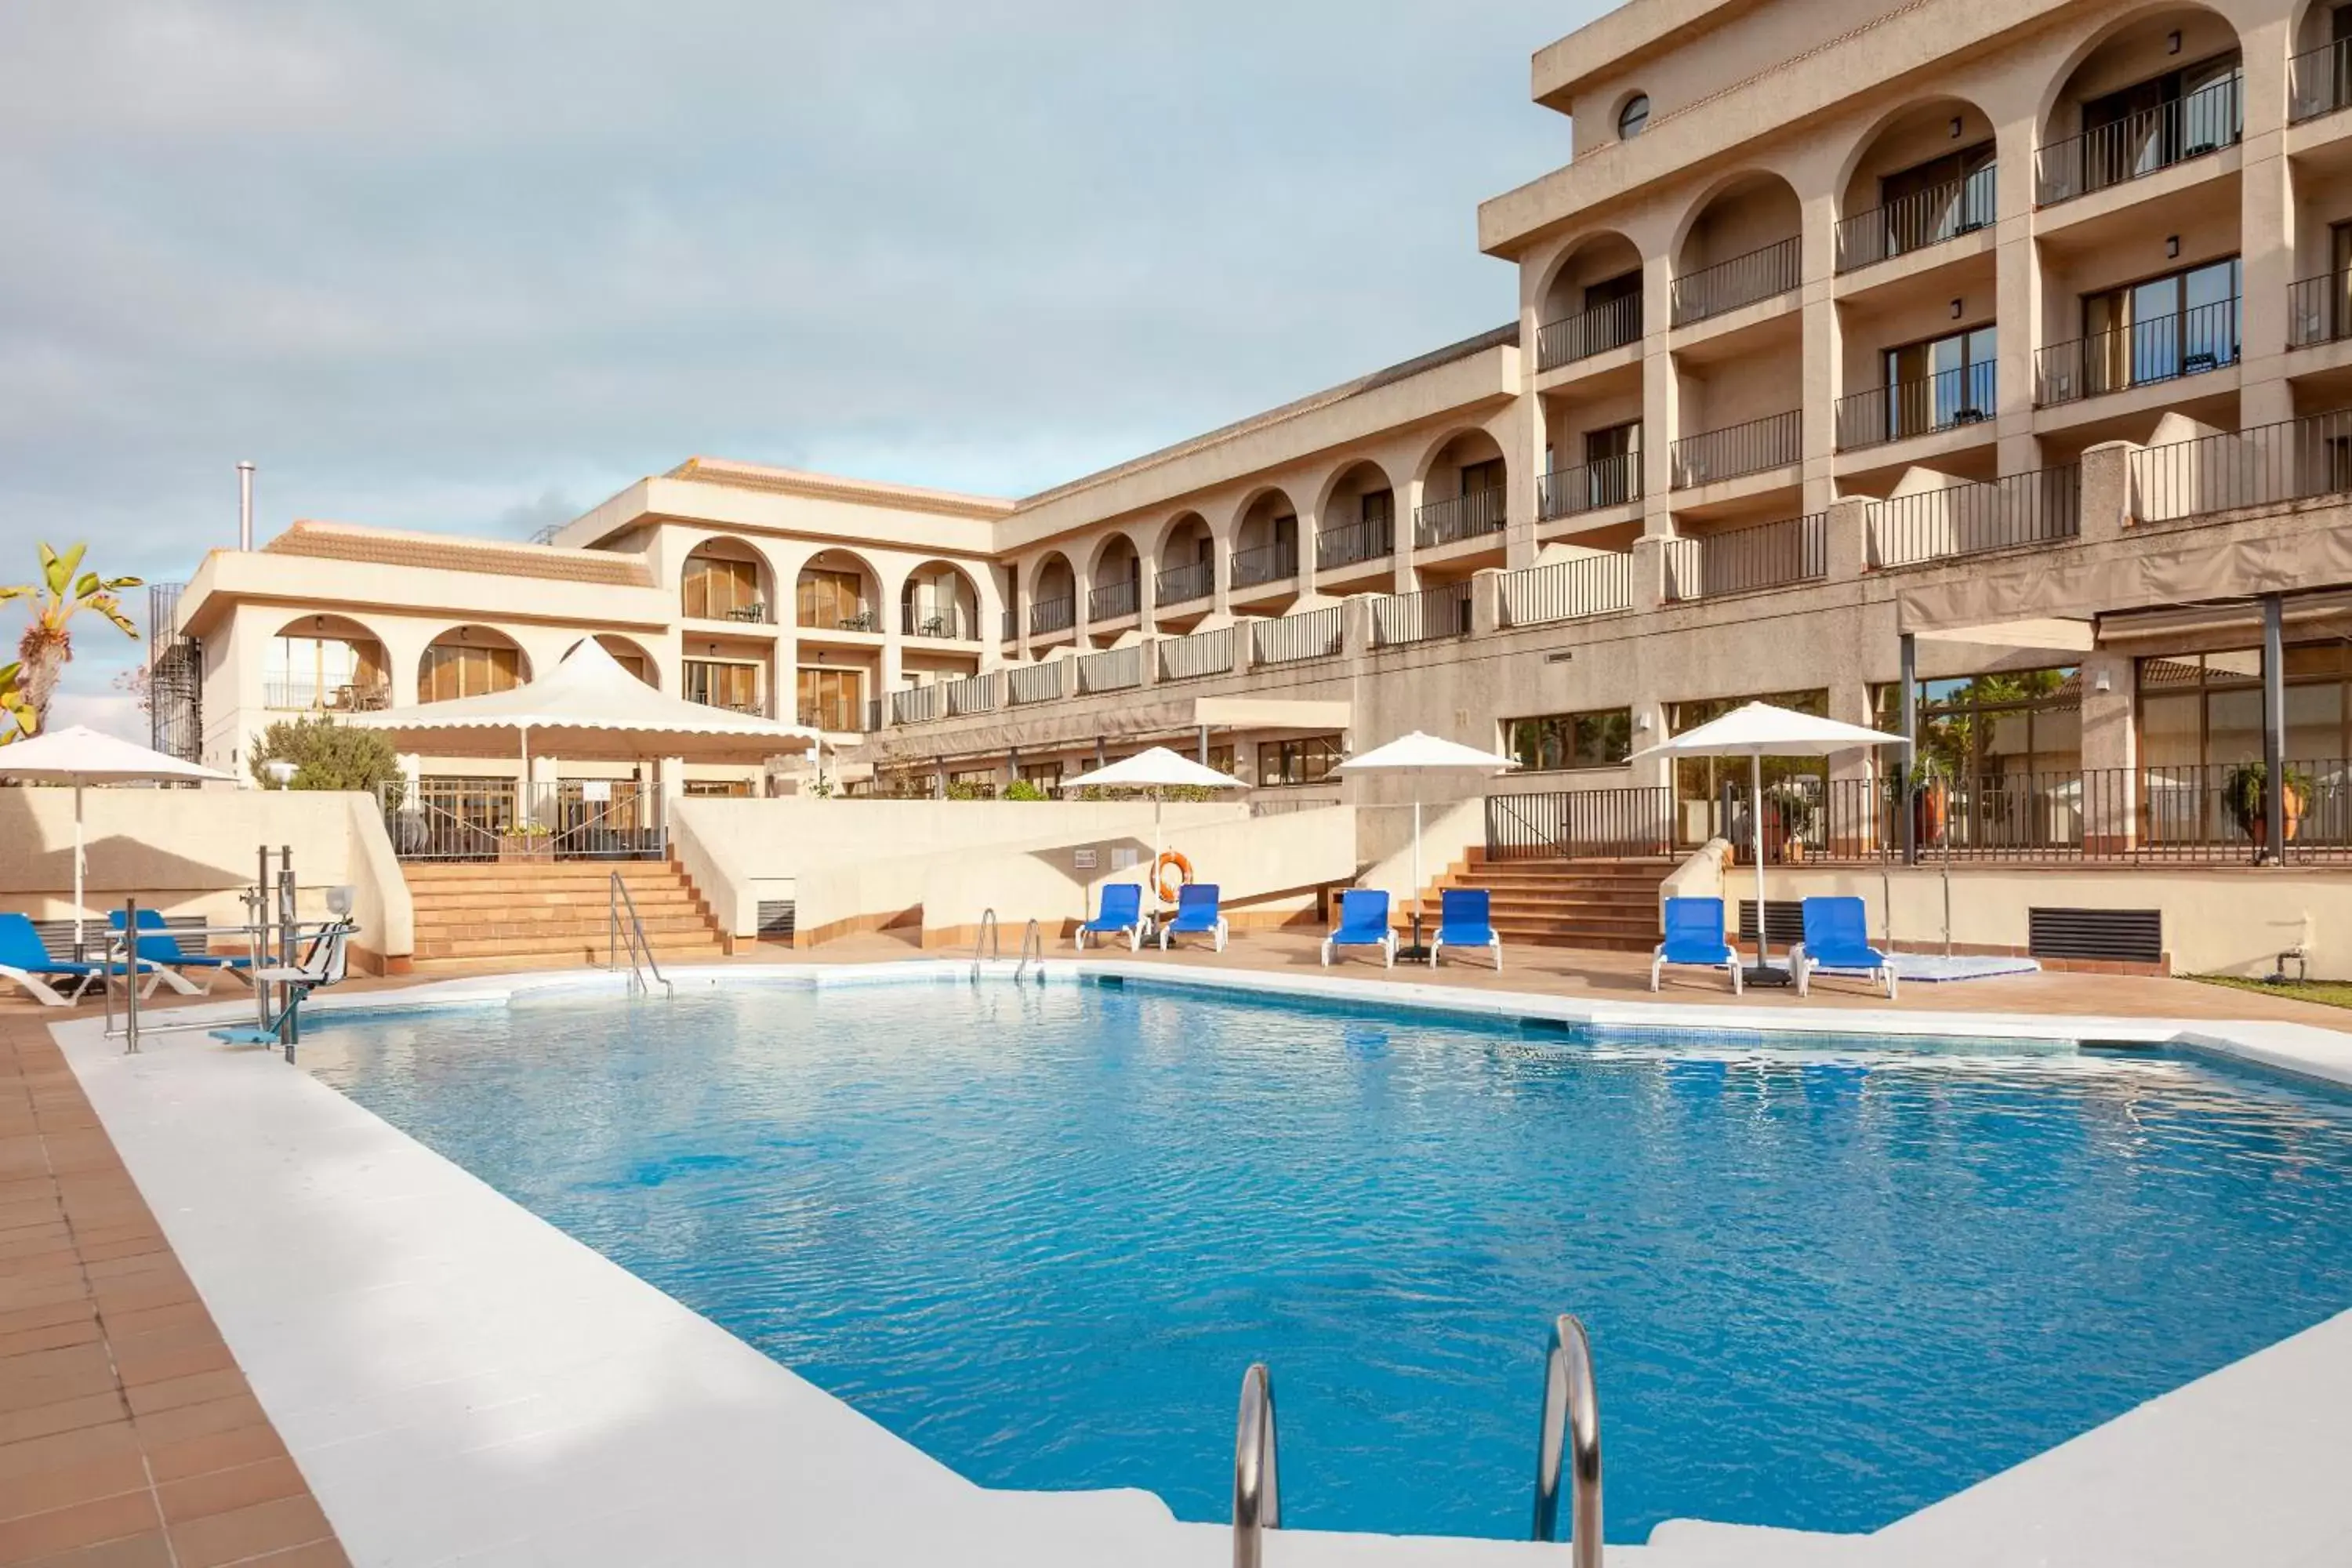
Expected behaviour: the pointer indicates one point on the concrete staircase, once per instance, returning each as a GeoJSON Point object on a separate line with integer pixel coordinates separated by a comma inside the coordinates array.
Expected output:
{"type": "Point", "coordinates": [1611, 905]}
{"type": "Point", "coordinates": [552, 912]}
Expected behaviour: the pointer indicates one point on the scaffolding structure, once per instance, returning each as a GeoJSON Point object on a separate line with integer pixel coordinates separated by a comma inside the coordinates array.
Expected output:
{"type": "Point", "coordinates": [175, 674]}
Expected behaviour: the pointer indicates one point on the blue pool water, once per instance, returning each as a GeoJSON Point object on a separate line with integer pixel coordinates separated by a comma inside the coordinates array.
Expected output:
{"type": "Point", "coordinates": [1040, 1233]}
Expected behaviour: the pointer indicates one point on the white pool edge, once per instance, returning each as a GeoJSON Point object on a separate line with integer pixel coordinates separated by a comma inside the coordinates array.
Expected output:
{"type": "Point", "coordinates": [409, 1327]}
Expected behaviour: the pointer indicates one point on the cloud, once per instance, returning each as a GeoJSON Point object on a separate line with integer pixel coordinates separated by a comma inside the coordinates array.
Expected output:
{"type": "Point", "coordinates": [448, 266]}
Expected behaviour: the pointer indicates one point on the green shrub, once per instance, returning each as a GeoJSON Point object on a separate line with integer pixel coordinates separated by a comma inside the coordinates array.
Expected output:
{"type": "Point", "coordinates": [326, 755]}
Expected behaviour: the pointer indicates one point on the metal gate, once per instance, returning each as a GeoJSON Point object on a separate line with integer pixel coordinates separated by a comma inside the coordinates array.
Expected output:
{"type": "Point", "coordinates": [504, 819]}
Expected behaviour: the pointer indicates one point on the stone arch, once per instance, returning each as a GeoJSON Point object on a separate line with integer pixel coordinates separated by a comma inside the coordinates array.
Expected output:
{"type": "Point", "coordinates": [939, 598]}
{"type": "Point", "coordinates": [2125, 49]}
{"type": "Point", "coordinates": [333, 663]}
{"type": "Point", "coordinates": [1589, 261]}
{"type": "Point", "coordinates": [724, 578]}
{"type": "Point", "coordinates": [1742, 212]}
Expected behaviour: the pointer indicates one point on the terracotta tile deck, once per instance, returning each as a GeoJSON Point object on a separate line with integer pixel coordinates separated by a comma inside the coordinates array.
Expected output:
{"type": "Point", "coordinates": [128, 1436]}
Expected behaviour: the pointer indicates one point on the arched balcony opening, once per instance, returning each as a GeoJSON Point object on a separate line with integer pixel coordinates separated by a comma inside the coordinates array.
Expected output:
{"type": "Point", "coordinates": [1924, 177]}
{"type": "Point", "coordinates": [470, 662]}
{"type": "Point", "coordinates": [725, 580]}
{"type": "Point", "coordinates": [1464, 490]}
{"type": "Point", "coordinates": [1116, 585]}
{"type": "Point", "coordinates": [1357, 521]}
{"type": "Point", "coordinates": [2165, 87]}
{"type": "Point", "coordinates": [1741, 249]}
{"type": "Point", "coordinates": [938, 601]}
{"type": "Point", "coordinates": [835, 592]}
{"type": "Point", "coordinates": [1266, 543]}
{"type": "Point", "coordinates": [1053, 596]}
{"type": "Point", "coordinates": [1592, 303]}
{"type": "Point", "coordinates": [2319, 76]}
{"type": "Point", "coordinates": [1188, 563]}
{"type": "Point", "coordinates": [326, 664]}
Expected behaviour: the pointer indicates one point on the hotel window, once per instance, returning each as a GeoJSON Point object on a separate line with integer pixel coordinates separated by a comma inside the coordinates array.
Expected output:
{"type": "Point", "coordinates": [458, 669]}
{"type": "Point", "coordinates": [719, 789]}
{"type": "Point", "coordinates": [1486, 475]}
{"type": "Point", "coordinates": [1931, 202]}
{"type": "Point", "coordinates": [1991, 726]}
{"type": "Point", "coordinates": [1611, 463]}
{"type": "Point", "coordinates": [1379, 509]}
{"type": "Point", "coordinates": [1700, 780]}
{"type": "Point", "coordinates": [2204, 709]}
{"type": "Point", "coordinates": [2180, 114]}
{"type": "Point", "coordinates": [1046, 776]}
{"type": "Point", "coordinates": [719, 589]}
{"type": "Point", "coordinates": [2179, 324]}
{"type": "Point", "coordinates": [323, 672]}
{"type": "Point", "coordinates": [1300, 760]}
{"type": "Point", "coordinates": [717, 683]}
{"type": "Point", "coordinates": [1223, 760]}
{"type": "Point", "coordinates": [1940, 382]}
{"type": "Point", "coordinates": [832, 699]}
{"type": "Point", "coordinates": [1558, 742]}
{"type": "Point", "coordinates": [833, 599]}
{"type": "Point", "coordinates": [971, 783]}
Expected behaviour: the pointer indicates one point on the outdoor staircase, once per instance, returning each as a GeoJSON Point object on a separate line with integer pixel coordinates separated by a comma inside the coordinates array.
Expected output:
{"type": "Point", "coordinates": [552, 912]}
{"type": "Point", "coordinates": [1611, 905]}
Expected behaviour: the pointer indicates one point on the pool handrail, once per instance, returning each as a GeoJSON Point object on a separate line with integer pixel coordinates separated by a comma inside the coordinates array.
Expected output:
{"type": "Point", "coordinates": [1257, 1488]}
{"type": "Point", "coordinates": [1033, 947]}
{"type": "Point", "coordinates": [1572, 1415]}
{"type": "Point", "coordinates": [617, 900]}
{"type": "Point", "coordinates": [988, 940]}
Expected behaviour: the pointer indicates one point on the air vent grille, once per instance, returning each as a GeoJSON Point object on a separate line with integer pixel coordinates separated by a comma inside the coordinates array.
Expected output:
{"type": "Point", "coordinates": [2114, 936]}
{"type": "Point", "coordinates": [776, 920]}
{"type": "Point", "coordinates": [1786, 918]}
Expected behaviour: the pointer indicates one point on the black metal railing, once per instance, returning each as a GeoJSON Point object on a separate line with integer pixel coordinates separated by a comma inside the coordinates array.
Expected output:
{"type": "Point", "coordinates": [2137, 145]}
{"type": "Point", "coordinates": [1939, 401]}
{"type": "Point", "coordinates": [2163, 348]}
{"type": "Point", "coordinates": [1917, 221]}
{"type": "Point", "coordinates": [2294, 460]}
{"type": "Point", "coordinates": [1114, 669]}
{"type": "Point", "coordinates": [1345, 545]}
{"type": "Point", "coordinates": [1112, 600]}
{"type": "Point", "coordinates": [973, 694]}
{"type": "Point", "coordinates": [1774, 441]}
{"type": "Point", "coordinates": [1580, 824]}
{"type": "Point", "coordinates": [2319, 81]}
{"type": "Point", "coordinates": [918, 705]}
{"type": "Point", "coordinates": [1587, 487]}
{"type": "Point", "coordinates": [1588, 332]}
{"type": "Point", "coordinates": [1012, 623]}
{"type": "Point", "coordinates": [1182, 585]}
{"type": "Point", "coordinates": [2041, 505]}
{"type": "Point", "coordinates": [1433, 613]}
{"type": "Point", "coordinates": [1567, 589]}
{"type": "Point", "coordinates": [1315, 634]}
{"type": "Point", "coordinates": [1025, 683]}
{"type": "Point", "coordinates": [1260, 564]}
{"type": "Point", "coordinates": [945, 621]}
{"type": "Point", "coordinates": [1741, 280]}
{"type": "Point", "coordinates": [504, 819]}
{"type": "Point", "coordinates": [1742, 560]}
{"type": "Point", "coordinates": [873, 716]}
{"type": "Point", "coordinates": [834, 715]}
{"type": "Point", "coordinates": [1465, 516]}
{"type": "Point", "coordinates": [1196, 657]}
{"type": "Point", "coordinates": [2319, 309]}
{"type": "Point", "coordinates": [1053, 615]}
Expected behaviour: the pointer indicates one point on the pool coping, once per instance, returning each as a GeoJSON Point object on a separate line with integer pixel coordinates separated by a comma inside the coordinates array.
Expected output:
{"type": "Point", "coordinates": [412, 1332]}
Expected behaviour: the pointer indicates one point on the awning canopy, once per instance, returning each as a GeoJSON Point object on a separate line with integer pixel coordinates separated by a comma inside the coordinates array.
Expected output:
{"type": "Point", "coordinates": [586, 708]}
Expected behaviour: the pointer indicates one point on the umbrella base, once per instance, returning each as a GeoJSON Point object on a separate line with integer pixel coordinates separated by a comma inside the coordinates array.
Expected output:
{"type": "Point", "coordinates": [1752, 975]}
{"type": "Point", "coordinates": [1416, 953]}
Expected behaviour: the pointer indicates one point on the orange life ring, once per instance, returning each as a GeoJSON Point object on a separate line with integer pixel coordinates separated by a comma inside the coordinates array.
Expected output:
{"type": "Point", "coordinates": [1170, 859]}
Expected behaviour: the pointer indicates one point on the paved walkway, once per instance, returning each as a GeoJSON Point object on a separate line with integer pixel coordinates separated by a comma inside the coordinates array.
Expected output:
{"type": "Point", "coordinates": [128, 1436]}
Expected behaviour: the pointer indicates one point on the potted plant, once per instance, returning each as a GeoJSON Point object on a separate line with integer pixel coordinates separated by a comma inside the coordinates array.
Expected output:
{"type": "Point", "coordinates": [2245, 796]}
{"type": "Point", "coordinates": [1931, 801]}
{"type": "Point", "coordinates": [527, 841]}
{"type": "Point", "coordinates": [1793, 819]}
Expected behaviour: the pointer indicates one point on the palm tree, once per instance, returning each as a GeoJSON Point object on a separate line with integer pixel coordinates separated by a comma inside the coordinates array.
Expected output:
{"type": "Point", "coordinates": [15, 713]}
{"type": "Point", "coordinates": [47, 646]}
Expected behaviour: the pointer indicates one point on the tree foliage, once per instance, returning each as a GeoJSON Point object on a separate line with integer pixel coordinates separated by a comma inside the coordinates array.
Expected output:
{"type": "Point", "coordinates": [18, 718]}
{"type": "Point", "coordinates": [62, 591]}
{"type": "Point", "coordinates": [325, 754]}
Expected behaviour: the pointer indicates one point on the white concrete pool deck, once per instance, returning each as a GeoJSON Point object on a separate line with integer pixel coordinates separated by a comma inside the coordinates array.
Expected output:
{"type": "Point", "coordinates": [461, 1383]}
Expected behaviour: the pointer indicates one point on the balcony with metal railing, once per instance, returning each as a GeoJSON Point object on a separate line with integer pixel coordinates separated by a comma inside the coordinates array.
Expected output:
{"type": "Point", "coordinates": [1742, 280]}
{"type": "Point", "coordinates": [2163, 348]}
{"type": "Point", "coordinates": [1184, 584]}
{"type": "Point", "coordinates": [314, 697]}
{"type": "Point", "coordinates": [2319, 310]}
{"type": "Point", "coordinates": [2041, 506]}
{"type": "Point", "coordinates": [1400, 619]}
{"type": "Point", "coordinates": [1468, 516]}
{"type": "Point", "coordinates": [837, 715]}
{"type": "Point", "coordinates": [946, 622]}
{"type": "Point", "coordinates": [1589, 332]}
{"type": "Point", "coordinates": [1026, 683]}
{"type": "Point", "coordinates": [1745, 560]}
{"type": "Point", "coordinates": [1353, 542]}
{"type": "Point", "coordinates": [2268, 464]}
{"type": "Point", "coordinates": [1755, 447]}
{"type": "Point", "coordinates": [1915, 222]}
{"type": "Point", "coordinates": [2319, 81]}
{"type": "Point", "coordinates": [1263, 564]}
{"type": "Point", "coordinates": [2143, 143]}
{"type": "Point", "coordinates": [1565, 590]}
{"type": "Point", "coordinates": [1123, 596]}
{"type": "Point", "coordinates": [1589, 487]}
{"type": "Point", "coordinates": [1945, 400]}
{"type": "Point", "coordinates": [1197, 657]}
{"type": "Point", "coordinates": [1291, 639]}
{"type": "Point", "coordinates": [1049, 615]}
{"type": "Point", "coordinates": [1114, 669]}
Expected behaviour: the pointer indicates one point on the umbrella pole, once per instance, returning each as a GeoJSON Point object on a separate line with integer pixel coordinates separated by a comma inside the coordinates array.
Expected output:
{"type": "Point", "coordinates": [1416, 951]}
{"type": "Point", "coordinates": [78, 949]}
{"type": "Point", "coordinates": [1763, 973]}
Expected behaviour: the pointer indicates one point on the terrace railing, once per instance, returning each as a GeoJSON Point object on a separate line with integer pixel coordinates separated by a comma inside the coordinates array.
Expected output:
{"type": "Point", "coordinates": [1349, 542]}
{"type": "Point", "coordinates": [1940, 401]}
{"type": "Point", "coordinates": [505, 820]}
{"type": "Point", "coordinates": [1114, 669]}
{"type": "Point", "coordinates": [1917, 221]}
{"type": "Point", "coordinates": [973, 694]}
{"type": "Point", "coordinates": [1466, 516]}
{"type": "Point", "coordinates": [1743, 560]}
{"type": "Point", "coordinates": [1053, 615]}
{"type": "Point", "coordinates": [1262, 563]}
{"type": "Point", "coordinates": [314, 697]}
{"type": "Point", "coordinates": [836, 715]}
{"type": "Point", "coordinates": [1580, 824]}
{"type": "Point", "coordinates": [918, 704]}
{"type": "Point", "coordinates": [2319, 309]}
{"type": "Point", "coordinates": [1182, 585]}
{"type": "Point", "coordinates": [1317, 634]}
{"type": "Point", "coordinates": [2164, 347]}
{"type": "Point", "coordinates": [1587, 487]}
{"type": "Point", "coordinates": [1112, 600]}
{"type": "Point", "coordinates": [2319, 81]}
{"type": "Point", "coordinates": [2040, 506]}
{"type": "Point", "coordinates": [1196, 657]}
{"type": "Point", "coordinates": [1741, 280]}
{"type": "Point", "coordinates": [2140, 144]}
{"type": "Point", "coordinates": [2294, 460]}
{"type": "Point", "coordinates": [1402, 618]}
{"type": "Point", "coordinates": [1774, 441]}
{"type": "Point", "coordinates": [1026, 683]}
{"type": "Point", "coordinates": [1588, 332]}
{"type": "Point", "coordinates": [1567, 589]}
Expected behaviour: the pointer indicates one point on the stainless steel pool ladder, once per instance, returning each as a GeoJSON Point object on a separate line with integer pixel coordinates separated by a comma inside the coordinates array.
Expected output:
{"type": "Point", "coordinates": [639, 948]}
{"type": "Point", "coordinates": [1258, 1486]}
{"type": "Point", "coordinates": [986, 942]}
{"type": "Point", "coordinates": [1033, 949]}
{"type": "Point", "coordinates": [1572, 1415]}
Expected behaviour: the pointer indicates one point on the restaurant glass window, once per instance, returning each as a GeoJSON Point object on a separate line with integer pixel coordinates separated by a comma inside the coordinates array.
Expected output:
{"type": "Point", "coordinates": [1558, 743]}
{"type": "Point", "coordinates": [2205, 709]}
{"type": "Point", "coordinates": [1698, 781]}
{"type": "Point", "coordinates": [1300, 760]}
{"type": "Point", "coordinates": [1990, 726]}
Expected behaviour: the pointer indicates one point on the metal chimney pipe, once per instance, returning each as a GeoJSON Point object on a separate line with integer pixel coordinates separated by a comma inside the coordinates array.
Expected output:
{"type": "Point", "coordinates": [245, 506]}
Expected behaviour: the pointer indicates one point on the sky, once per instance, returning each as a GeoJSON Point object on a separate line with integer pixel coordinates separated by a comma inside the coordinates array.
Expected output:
{"type": "Point", "coordinates": [473, 267]}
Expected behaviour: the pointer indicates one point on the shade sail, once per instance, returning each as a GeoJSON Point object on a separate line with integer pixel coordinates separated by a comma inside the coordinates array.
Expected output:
{"type": "Point", "coordinates": [1418, 753]}
{"type": "Point", "coordinates": [1760, 729]}
{"type": "Point", "coordinates": [1158, 768]}
{"type": "Point", "coordinates": [586, 707]}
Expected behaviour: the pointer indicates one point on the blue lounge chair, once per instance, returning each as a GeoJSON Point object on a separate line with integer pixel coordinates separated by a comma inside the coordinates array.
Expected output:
{"type": "Point", "coordinates": [1694, 937]}
{"type": "Point", "coordinates": [25, 961]}
{"type": "Point", "coordinates": [158, 945]}
{"type": "Point", "coordinates": [1119, 914]}
{"type": "Point", "coordinates": [1837, 936]}
{"type": "Point", "coordinates": [1196, 915]}
{"type": "Point", "coordinates": [1463, 919]}
{"type": "Point", "coordinates": [1364, 922]}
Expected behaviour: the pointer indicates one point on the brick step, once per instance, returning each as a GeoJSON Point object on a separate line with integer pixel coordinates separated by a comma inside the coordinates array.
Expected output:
{"type": "Point", "coordinates": [1483, 877]}
{"type": "Point", "coordinates": [664, 945]}
{"type": "Point", "coordinates": [492, 928]}
{"type": "Point", "coordinates": [550, 899]}
{"type": "Point", "coordinates": [511, 877]}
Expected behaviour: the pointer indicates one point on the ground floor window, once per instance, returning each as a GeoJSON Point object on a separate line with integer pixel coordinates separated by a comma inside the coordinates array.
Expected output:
{"type": "Point", "coordinates": [2199, 708]}
{"type": "Point", "coordinates": [1700, 780]}
{"type": "Point", "coordinates": [1044, 775]}
{"type": "Point", "coordinates": [1224, 760]}
{"type": "Point", "coordinates": [1991, 726]}
{"type": "Point", "coordinates": [1554, 742]}
{"type": "Point", "coordinates": [1299, 760]}
{"type": "Point", "coordinates": [719, 789]}
{"type": "Point", "coordinates": [971, 783]}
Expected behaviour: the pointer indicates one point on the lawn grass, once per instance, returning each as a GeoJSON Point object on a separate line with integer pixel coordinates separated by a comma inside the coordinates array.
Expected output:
{"type": "Point", "coordinates": [2327, 993]}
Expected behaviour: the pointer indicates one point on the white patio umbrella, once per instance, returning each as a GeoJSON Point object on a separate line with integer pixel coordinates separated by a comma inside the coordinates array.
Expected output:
{"type": "Point", "coordinates": [1418, 754]}
{"type": "Point", "coordinates": [1757, 732]}
{"type": "Point", "coordinates": [80, 755]}
{"type": "Point", "coordinates": [1154, 770]}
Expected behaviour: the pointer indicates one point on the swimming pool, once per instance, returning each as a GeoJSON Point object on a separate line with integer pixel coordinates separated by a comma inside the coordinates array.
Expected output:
{"type": "Point", "coordinates": [1040, 1231]}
